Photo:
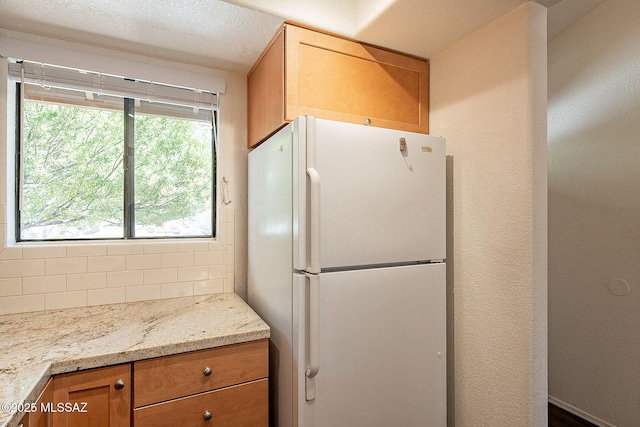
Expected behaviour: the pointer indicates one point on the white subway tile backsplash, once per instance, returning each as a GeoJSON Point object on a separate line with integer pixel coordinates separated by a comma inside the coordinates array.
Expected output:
{"type": "Point", "coordinates": [230, 233]}
{"type": "Point", "coordinates": [161, 275]}
{"type": "Point", "coordinates": [193, 246]}
{"type": "Point", "coordinates": [143, 293]}
{"type": "Point", "coordinates": [21, 268]}
{"type": "Point", "coordinates": [208, 258]}
{"type": "Point", "coordinates": [160, 247]}
{"type": "Point", "coordinates": [9, 287]}
{"type": "Point", "coordinates": [86, 281]}
{"type": "Point", "coordinates": [21, 304]}
{"type": "Point", "coordinates": [222, 234]}
{"type": "Point", "coordinates": [36, 277]}
{"type": "Point", "coordinates": [59, 300]}
{"type": "Point", "coordinates": [44, 252]}
{"type": "Point", "coordinates": [223, 216]}
{"type": "Point", "coordinates": [116, 279]}
{"type": "Point", "coordinates": [216, 246]}
{"type": "Point", "coordinates": [86, 250]}
{"type": "Point", "coordinates": [106, 296]}
{"type": "Point", "coordinates": [11, 253]}
{"type": "Point", "coordinates": [66, 265]}
{"type": "Point", "coordinates": [204, 287]}
{"type": "Point", "coordinates": [144, 262]}
{"type": "Point", "coordinates": [229, 283]}
{"type": "Point", "coordinates": [173, 259]}
{"type": "Point", "coordinates": [106, 263]}
{"type": "Point", "coordinates": [125, 249]}
{"type": "Point", "coordinates": [188, 274]}
{"type": "Point", "coordinates": [44, 284]}
{"type": "Point", "coordinates": [175, 290]}
{"type": "Point", "coordinates": [217, 272]}
{"type": "Point", "coordinates": [230, 256]}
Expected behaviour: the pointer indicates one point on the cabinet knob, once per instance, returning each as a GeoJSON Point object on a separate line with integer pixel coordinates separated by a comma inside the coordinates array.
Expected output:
{"type": "Point", "coordinates": [119, 385]}
{"type": "Point", "coordinates": [207, 371]}
{"type": "Point", "coordinates": [367, 122]}
{"type": "Point", "coordinates": [207, 415]}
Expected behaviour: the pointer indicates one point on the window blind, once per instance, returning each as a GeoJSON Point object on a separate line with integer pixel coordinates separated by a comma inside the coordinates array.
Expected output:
{"type": "Point", "coordinates": [54, 76]}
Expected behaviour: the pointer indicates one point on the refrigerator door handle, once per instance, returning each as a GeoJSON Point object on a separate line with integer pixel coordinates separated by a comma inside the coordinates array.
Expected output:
{"type": "Point", "coordinates": [313, 338]}
{"type": "Point", "coordinates": [314, 221]}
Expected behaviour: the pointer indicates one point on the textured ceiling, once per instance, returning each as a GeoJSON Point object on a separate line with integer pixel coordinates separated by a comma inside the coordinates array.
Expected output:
{"type": "Point", "coordinates": [231, 34]}
{"type": "Point", "coordinates": [202, 32]}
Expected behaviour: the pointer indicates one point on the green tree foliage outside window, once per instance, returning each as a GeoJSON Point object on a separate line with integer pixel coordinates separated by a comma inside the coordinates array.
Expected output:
{"type": "Point", "coordinates": [73, 185]}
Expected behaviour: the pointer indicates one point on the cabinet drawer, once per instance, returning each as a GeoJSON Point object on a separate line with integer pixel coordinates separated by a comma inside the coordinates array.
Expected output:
{"type": "Point", "coordinates": [171, 377]}
{"type": "Point", "coordinates": [236, 406]}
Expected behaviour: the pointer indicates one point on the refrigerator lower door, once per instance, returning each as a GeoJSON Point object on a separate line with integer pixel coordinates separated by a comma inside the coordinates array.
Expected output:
{"type": "Point", "coordinates": [381, 348]}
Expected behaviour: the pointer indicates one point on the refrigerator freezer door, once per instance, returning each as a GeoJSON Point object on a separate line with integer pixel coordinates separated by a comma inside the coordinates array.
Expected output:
{"type": "Point", "coordinates": [382, 194]}
{"type": "Point", "coordinates": [382, 344]}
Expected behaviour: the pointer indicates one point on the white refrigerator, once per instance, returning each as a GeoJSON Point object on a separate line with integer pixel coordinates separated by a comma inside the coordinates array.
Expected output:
{"type": "Point", "coordinates": [346, 264]}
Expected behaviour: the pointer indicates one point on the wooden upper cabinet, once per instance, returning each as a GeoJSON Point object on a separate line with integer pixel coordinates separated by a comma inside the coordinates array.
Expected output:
{"type": "Point", "coordinates": [265, 89]}
{"type": "Point", "coordinates": [304, 72]}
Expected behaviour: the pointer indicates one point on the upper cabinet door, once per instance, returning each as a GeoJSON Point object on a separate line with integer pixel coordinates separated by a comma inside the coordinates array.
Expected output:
{"type": "Point", "coordinates": [337, 79]}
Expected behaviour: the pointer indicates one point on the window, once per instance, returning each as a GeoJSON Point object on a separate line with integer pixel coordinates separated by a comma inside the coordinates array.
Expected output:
{"type": "Point", "coordinates": [95, 162]}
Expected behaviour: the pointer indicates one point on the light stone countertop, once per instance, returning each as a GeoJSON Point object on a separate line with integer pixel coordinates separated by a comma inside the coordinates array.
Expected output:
{"type": "Point", "coordinates": [34, 346]}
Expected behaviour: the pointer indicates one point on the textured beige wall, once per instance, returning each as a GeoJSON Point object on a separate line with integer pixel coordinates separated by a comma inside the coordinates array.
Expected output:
{"type": "Point", "coordinates": [594, 211]}
{"type": "Point", "coordinates": [488, 98]}
{"type": "Point", "coordinates": [37, 277]}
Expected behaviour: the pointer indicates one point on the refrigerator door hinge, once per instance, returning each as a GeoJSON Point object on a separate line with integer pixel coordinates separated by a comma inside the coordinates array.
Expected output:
{"type": "Point", "coordinates": [310, 388]}
{"type": "Point", "coordinates": [313, 338]}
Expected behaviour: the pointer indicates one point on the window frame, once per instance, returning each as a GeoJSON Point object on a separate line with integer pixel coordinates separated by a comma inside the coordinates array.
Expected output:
{"type": "Point", "coordinates": [128, 173]}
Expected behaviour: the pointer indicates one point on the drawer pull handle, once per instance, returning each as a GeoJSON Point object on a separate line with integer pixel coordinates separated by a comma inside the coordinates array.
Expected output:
{"type": "Point", "coordinates": [207, 371]}
{"type": "Point", "coordinates": [119, 385]}
{"type": "Point", "coordinates": [207, 415]}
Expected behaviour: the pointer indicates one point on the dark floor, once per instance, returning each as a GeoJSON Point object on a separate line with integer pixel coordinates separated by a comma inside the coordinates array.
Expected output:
{"type": "Point", "coordinates": [560, 418]}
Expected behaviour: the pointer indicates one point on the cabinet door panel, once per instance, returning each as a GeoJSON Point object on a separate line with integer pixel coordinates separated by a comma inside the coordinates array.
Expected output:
{"type": "Point", "coordinates": [345, 86]}
{"type": "Point", "coordinates": [238, 406]}
{"type": "Point", "coordinates": [39, 418]}
{"type": "Point", "coordinates": [265, 89]}
{"type": "Point", "coordinates": [337, 79]}
{"type": "Point", "coordinates": [106, 404]}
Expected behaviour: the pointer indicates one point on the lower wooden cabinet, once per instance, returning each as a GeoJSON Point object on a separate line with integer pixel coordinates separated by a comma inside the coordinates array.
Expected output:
{"type": "Point", "coordinates": [95, 397]}
{"type": "Point", "coordinates": [40, 418]}
{"type": "Point", "coordinates": [222, 387]}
